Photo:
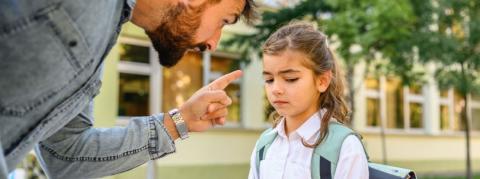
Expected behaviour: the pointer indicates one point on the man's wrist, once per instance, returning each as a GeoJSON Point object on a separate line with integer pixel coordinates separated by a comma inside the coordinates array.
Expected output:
{"type": "Point", "coordinates": [179, 122]}
{"type": "Point", "coordinates": [170, 126]}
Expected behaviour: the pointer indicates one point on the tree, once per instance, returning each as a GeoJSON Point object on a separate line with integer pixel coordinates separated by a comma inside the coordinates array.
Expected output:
{"type": "Point", "coordinates": [362, 28]}
{"type": "Point", "coordinates": [448, 34]}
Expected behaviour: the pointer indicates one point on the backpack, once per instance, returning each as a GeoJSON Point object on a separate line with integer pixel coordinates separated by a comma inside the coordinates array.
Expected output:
{"type": "Point", "coordinates": [325, 156]}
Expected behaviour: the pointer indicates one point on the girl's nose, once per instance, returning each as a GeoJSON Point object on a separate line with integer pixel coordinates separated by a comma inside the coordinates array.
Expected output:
{"type": "Point", "coordinates": [277, 89]}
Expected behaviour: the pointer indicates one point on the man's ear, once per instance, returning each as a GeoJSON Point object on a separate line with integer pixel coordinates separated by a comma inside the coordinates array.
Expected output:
{"type": "Point", "coordinates": [323, 81]}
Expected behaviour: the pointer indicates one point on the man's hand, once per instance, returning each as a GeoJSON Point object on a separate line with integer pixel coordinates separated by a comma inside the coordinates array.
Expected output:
{"type": "Point", "coordinates": [208, 106]}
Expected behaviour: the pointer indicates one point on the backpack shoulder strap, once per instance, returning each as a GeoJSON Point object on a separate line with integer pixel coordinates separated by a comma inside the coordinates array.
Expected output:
{"type": "Point", "coordinates": [262, 145]}
{"type": "Point", "coordinates": [326, 154]}
{"type": "Point", "coordinates": [325, 157]}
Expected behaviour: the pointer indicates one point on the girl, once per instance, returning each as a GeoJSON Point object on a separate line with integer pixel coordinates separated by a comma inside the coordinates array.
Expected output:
{"type": "Point", "coordinates": [303, 84]}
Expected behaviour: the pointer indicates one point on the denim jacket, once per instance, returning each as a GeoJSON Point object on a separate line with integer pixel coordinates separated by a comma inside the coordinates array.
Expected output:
{"type": "Point", "coordinates": [51, 54]}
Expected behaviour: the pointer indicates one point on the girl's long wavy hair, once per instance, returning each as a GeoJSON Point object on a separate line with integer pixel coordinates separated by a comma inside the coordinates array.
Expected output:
{"type": "Point", "coordinates": [303, 37]}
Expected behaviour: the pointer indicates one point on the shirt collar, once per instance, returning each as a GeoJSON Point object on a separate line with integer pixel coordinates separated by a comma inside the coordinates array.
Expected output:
{"type": "Point", "coordinates": [311, 127]}
{"type": "Point", "coordinates": [280, 128]}
{"type": "Point", "coordinates": [309, 130]}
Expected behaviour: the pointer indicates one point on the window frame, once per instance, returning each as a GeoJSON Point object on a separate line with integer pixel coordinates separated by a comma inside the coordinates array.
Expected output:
{"type": "Point", "coordinates": [380, 94]}
{"type": "Point", "coordinates": [209, 76]}
{"type": "Point", "coordinates": [474, 104]}
{"type": "Point", "coordinates": [153, 70]}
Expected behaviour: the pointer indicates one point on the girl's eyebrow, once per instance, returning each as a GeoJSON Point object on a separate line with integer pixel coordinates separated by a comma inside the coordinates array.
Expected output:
{"type": "Point", "coordinates": [287, 71]}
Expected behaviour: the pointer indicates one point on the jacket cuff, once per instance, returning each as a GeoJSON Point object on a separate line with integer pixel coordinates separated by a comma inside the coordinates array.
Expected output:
{"type": "Point", "coordinates": [160, 143]}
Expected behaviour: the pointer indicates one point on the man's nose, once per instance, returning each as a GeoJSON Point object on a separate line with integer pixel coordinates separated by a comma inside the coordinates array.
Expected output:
{"type": "Point", "coordinates": [212, 43]}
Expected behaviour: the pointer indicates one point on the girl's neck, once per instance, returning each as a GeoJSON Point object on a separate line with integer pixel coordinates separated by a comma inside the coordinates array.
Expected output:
{"type": "Point", "coordinates": [292, 123]}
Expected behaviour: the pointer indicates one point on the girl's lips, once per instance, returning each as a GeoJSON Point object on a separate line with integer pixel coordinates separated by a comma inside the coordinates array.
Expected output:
{"type": "Point", "coordinates": [280, 102]}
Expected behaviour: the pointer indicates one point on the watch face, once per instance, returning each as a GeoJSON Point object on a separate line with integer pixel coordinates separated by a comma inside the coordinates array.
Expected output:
{"type": "Point", "coordinates": [177, 119]}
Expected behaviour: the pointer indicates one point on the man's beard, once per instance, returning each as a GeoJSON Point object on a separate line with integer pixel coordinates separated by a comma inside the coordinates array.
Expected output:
{"type": "Point", "coordinates": [174, 36]}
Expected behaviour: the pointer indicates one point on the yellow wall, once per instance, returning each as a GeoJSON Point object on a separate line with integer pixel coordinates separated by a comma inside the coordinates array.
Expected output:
{"type": "Point", "coordinates": [106, 103]}
{"type": "Point", "coordinates": [401, 147]}
{"type": "Point", "coordinates": [225, 147]}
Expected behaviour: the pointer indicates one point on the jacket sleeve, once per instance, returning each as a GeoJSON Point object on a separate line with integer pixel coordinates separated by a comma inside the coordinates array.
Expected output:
{"type": "Point", "coordinates": [79, 150]}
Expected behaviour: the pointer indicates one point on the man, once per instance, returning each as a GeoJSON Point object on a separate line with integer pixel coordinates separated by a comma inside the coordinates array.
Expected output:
{"type": "Point", "coordinates": [51, 56]}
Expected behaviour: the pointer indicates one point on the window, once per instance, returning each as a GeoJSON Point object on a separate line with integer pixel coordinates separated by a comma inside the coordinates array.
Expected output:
{"type": "Point", "coordinates": [181, 81]}
{"type": "Point", "coordinates": [447, 111]}
{"type": "Point", "coordinates": [458, 105]}
{"type": "Point", "coordinates": [475, 112]}
{"type": "Point", "coordinates": [394, 98]}
{"type": "Point", "coordinates": [135, 97]}
{"type": "Point", "coordinates": [388, 102]}
{"type": "Point", "coordinates": [141, 77]}
{"type": "Point", "coordinates": [373, 112]}
{"type": "Point", "coordinates": [375, 99]}
{"type": "Point", "coordinates": [221, 66]}
{"type": "Point", "coordinates": [413, 108]}
{"type": "Point", "coordinates": [134, 53]}
{"type": "Point", "coordinates": [416, 119]}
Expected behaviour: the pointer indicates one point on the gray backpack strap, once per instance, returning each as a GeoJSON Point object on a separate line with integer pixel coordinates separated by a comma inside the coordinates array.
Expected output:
{"type": "Point", "coordinates": [325, 156]}
{"type": "Point", "coordinates": [262, 145]}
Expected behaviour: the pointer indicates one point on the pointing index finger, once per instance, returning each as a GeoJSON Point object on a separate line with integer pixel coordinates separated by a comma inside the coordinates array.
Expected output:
{"type": "Point", "coordinates": [222, 82]}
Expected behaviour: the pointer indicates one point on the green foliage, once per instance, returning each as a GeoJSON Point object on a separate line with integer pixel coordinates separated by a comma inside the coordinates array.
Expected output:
{"type": "Point", "coordinates": [373, 25]}
{"type": "Point", "coordinates": [449, 35]}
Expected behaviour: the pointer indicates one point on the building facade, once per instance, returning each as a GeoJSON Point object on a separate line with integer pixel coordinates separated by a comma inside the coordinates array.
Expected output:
{"type": "Point", "coordinates": [421, 123]}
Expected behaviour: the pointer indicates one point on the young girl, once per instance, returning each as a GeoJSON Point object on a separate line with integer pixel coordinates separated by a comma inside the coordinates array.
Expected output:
{"type": "Point", "coordinates": [303, 84]}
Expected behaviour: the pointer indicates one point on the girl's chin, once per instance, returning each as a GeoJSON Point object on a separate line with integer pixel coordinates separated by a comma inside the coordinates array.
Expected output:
{"type": "Point", "coordinates": [282, 112]}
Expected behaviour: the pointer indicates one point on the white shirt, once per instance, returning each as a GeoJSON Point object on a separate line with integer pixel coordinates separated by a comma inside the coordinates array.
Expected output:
{"type": "Point", "coordinates": [288, 158]}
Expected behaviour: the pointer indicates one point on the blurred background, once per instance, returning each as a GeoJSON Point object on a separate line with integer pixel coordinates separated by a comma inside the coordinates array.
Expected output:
{"type": "Point", "coordinates": [412, 69]}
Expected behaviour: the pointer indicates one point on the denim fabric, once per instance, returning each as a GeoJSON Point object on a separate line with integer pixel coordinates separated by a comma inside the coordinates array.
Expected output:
{"type": "Point", "coordinates": [3, 165]}
{"type": "Point", "coordinates": [51, 54]}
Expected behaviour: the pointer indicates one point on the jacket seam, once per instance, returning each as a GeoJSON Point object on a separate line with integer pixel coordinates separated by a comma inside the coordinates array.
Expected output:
{"type": "Point", "coordinates": [96, 159]}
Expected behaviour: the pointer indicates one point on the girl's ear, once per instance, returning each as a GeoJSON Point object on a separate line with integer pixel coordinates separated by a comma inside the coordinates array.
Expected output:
{"type": "Point", "coordinates": [323, 81]}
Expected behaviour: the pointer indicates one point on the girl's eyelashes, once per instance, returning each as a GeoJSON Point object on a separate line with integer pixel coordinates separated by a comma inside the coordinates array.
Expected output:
{"type": "Point", "coordinates": [291, 80]}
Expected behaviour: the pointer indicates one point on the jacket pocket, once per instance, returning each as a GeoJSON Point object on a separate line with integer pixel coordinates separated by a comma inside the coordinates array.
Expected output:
{"type": "Point", "coordinates": [39, 56]}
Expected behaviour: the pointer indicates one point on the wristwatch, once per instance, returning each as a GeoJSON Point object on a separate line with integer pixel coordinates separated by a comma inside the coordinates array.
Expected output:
{"type": "Point", "coordinates": [179, 123]}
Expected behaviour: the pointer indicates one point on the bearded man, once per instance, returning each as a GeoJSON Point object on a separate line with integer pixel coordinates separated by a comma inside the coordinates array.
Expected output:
{"type": "Point", "coordinates": [52, 54]}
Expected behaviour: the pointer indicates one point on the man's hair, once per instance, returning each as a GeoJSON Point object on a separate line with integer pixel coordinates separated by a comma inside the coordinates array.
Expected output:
{"type": "Point", "coordinates": [249, 12]}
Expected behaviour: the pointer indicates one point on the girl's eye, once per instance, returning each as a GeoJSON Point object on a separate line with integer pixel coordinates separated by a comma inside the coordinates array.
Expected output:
{"type": "Point", "coordinates": [291, 80]}
{"type": "Point", "coordinates": [268, 81]}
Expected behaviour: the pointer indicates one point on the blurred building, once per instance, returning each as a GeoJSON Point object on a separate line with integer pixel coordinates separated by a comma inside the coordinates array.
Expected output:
{"type": "Point", "coordinates": [423, 130]}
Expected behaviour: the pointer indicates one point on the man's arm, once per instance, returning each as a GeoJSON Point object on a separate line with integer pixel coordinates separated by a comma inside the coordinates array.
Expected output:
{"type": "Point", "coordinates": [79, 150]}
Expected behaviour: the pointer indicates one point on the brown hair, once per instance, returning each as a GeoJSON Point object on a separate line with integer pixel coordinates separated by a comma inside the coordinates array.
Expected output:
{"type": "Point", "coordinates": [249, 12]}
{"type": "Point", "coordinates": [303, 37]}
